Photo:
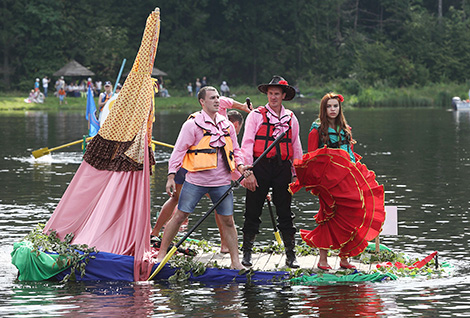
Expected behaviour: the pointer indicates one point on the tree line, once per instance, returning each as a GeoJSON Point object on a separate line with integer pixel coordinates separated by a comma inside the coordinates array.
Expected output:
{"type": "Point", "coordinates": [396, 43]}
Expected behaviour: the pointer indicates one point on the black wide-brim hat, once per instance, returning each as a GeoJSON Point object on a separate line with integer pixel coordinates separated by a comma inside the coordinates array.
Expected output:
{"type": "Point", "coordinates": [279, 82]}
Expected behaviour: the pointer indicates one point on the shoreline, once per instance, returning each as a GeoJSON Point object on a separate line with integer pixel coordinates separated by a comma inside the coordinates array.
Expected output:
{"type": "Point", "coordinates": [170, 104]}
{"type": "Point", "coordinates": [430, 96]}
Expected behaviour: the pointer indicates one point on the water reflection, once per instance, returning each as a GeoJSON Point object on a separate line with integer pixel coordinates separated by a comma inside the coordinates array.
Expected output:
{"type": "Point", "coordinates": [198, 300]}
{"type": "Point", "coordinates": [342, 301]}
{"type": "Point", "coordinates": [37, 124]}
{"type": "Point", "coordinates": [461, 118]}
{"type": "Point", "coordinates": [113, 299]}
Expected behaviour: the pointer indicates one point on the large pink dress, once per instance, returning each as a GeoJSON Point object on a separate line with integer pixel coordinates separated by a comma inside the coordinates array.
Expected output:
{"type": "Point", "coordinates": [107, 204]}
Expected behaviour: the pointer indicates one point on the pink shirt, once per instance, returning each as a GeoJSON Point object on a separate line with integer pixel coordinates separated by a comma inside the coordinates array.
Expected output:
{"type": "Point", "coordinates": [191, 134]}
{"type": "Point", "coordinates": [253, 123]}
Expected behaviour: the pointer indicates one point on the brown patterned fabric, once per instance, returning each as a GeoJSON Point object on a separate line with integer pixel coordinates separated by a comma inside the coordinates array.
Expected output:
{"type": "Point", "coordinates": [109, 155]}
{"type": "Point", "coordinates": [120, 143]}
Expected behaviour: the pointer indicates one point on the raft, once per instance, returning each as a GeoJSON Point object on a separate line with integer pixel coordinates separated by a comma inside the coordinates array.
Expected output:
{"type": "Point", "coordinates": [268, 268]}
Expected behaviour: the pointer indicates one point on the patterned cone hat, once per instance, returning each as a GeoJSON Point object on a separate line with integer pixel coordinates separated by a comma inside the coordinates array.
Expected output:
{"type": "Point", "coordinates": [120, 144]}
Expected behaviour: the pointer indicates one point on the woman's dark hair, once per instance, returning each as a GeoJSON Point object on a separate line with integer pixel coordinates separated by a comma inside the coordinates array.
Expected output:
{"type": "Point", "coordinates": [340, 120]}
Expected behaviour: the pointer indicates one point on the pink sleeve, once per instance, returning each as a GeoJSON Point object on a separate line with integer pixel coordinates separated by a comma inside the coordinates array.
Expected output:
{"type": "Point", "coordinates": [237, 153]}
{"type": "Point", "coordinates": [253, 120]}
{"type": "Point", "coordinates": [186, 139]}
{"type": "Point", "coordinates": [296, 144]}
{"type": "Point", "coordinates": [224, 104]}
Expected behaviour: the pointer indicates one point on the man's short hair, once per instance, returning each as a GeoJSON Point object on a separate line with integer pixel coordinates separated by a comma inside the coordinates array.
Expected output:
{"type": "Point", "coordinates": [233, 116]}
{"type": "Point", "coordinates": [202, 92]}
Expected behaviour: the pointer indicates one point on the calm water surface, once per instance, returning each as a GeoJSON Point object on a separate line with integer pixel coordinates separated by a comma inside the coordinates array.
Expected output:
{"type": "Point", "coordinates": [421, 156]}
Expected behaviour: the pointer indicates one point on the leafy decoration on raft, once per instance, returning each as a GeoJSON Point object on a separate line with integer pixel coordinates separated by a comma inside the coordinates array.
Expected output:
{"type": "Point", "coordinates": [187, 265]}
{"type": "Point", "coordinates": [75, 256]}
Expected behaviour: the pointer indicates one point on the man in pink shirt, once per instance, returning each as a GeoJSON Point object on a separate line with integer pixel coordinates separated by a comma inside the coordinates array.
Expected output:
{"type": "Point", "coordinates": [169, 206]}
{"type": "Point", "coordinates": [213, 138]}
{"type": "Point", "coordinates": [275, 171]}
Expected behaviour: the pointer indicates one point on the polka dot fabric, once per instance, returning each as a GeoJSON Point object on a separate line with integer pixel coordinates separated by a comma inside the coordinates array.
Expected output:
{"type": "Point", "coordinates": [130, 120]}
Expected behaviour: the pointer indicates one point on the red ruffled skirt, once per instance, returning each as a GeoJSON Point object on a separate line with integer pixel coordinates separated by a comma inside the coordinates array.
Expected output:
{"type": "Point", "coordinates": [351, 201]}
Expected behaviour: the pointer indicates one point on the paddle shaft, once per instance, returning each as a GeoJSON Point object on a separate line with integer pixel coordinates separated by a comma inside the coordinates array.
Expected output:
{"type": "Point", "coordinates": [119, 75]}
{"type": "Point", "coordinates": [69, 144]}
{"type": "Point", "coordinates": [162, 144]}
{"type": "Point", "coordinates": [44, 151]}
{"type": "Point", "coordinates": [181, 241]}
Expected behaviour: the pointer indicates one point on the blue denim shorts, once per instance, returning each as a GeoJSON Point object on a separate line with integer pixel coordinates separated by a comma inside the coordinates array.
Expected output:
{"type": "Point", "coordinates": [191, 194]}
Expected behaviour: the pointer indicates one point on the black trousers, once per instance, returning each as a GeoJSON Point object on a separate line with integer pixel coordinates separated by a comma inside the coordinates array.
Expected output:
{"type": "Point", "coordinates": [275, 174]}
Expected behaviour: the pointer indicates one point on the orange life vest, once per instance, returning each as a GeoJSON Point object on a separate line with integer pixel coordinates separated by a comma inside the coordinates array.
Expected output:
{"type": "Point", "coordinates": [204, 157]}
{"type": "Point", "coordinates": [105, 98]}
{"type": "Point", "coordinates": [264, 138]}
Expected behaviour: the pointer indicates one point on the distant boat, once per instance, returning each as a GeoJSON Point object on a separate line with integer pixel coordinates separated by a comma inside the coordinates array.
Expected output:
{"type": "Point", "coordinates": [458, 104]}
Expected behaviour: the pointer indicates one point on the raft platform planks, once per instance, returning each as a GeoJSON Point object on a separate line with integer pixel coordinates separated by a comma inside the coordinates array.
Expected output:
{"type": "Point", "coordinates": [276, 262]}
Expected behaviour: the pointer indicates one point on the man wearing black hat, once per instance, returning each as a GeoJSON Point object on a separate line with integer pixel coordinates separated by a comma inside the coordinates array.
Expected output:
{"type": "Point", "coordinates": [275, 171]}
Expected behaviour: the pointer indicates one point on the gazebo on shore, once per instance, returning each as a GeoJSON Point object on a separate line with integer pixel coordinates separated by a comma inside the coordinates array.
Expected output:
{"type": "Point", "coordinates": [73, 68]}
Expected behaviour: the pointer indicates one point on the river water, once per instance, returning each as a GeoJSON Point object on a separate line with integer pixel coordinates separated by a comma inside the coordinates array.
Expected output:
{"type": "Point", "coordinates": [422, 156]}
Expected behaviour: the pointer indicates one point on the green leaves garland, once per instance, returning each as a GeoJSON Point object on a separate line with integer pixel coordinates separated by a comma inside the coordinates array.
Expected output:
{"type": "Point", "coordinates": [75, 256]}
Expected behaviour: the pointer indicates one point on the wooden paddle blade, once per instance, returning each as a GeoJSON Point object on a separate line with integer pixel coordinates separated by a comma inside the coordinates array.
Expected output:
{"type": "Point", "coordinates": [163, 262]}
{"type": "Point", "coordinates": [278, 238]}
{"type": "Point", "coordinates": [40, 152]}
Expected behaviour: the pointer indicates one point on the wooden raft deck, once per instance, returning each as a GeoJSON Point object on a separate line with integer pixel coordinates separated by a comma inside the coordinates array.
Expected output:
{"type": "Point", "coordinates": [276, 262]}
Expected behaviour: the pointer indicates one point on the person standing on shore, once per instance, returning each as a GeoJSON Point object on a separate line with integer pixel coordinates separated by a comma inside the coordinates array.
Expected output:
{"type": "Point", "coordinates": [189, 88]}
{"type": "Point", "coordinates": [224, 89]}
{"type": "Point", "coordinates": [45, 84]}
{"type": "Point", "coordinates": [98, 87]}
{"type": "Point", "coordinates": [198, 86]}
{"type": "Point", "coordinates": [36, 85]}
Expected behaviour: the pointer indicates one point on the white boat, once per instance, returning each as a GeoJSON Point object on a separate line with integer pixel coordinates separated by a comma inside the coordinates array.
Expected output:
{"type": "Point", "coordinates": [458, 104]}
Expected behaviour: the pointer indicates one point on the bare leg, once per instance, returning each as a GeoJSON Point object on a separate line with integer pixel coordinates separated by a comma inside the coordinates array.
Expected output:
{"type": "Point", "coordinates": [323, 258]}
{"type": "Point", "coordinates": [344, 263]}
{"type": "Point", "coordinates": [170, 232]}
{"type": "Point", "coordinates": [167, 211]}
{"type": "Point", "coordinates": [223, 247]}
{"type": "Point", "coordinates": [229, 234]}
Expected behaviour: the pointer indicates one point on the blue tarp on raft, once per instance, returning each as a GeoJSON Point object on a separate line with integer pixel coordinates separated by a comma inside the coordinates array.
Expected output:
{"type": "Point", "coordinates": [113, 267]}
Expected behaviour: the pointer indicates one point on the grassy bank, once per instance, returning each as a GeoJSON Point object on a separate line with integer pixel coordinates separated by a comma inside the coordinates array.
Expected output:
{"type": "Point", "coordinates": [434, 95]}
{"type": "Point", "coordinates": [178, 102]}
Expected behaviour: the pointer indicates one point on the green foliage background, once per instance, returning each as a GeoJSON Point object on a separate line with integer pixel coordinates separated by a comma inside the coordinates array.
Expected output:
{"type": "Point", "coordinates": [358, 45]}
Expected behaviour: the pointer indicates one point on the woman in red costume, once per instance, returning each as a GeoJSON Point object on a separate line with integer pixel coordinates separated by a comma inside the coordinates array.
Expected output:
{"type": "Point", "coordinates": [351, 201]}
